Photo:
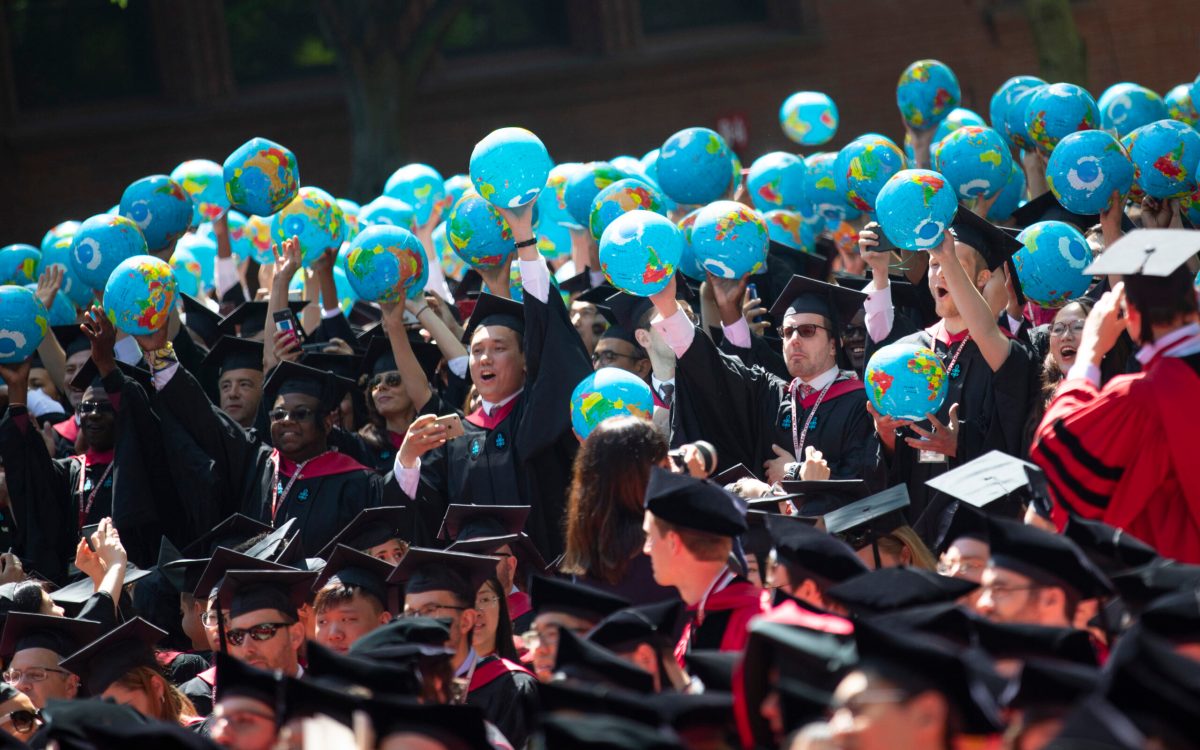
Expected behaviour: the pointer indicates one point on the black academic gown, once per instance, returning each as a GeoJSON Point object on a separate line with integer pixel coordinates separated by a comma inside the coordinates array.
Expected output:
{"type": "Point", "coordinates": [526, 458]}
{"type": "Point", "coordinates": [743, 410]}
{"type": "Point", "coordinates": [507, 695]}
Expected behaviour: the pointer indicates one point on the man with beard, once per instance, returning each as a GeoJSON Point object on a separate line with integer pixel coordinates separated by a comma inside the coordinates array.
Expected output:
{"type": "Point", "coordinates": [239, 364]}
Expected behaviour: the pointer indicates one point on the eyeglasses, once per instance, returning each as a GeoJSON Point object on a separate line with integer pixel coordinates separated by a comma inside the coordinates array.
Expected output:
{"type": "Point", "coordinates": [239, 721]}
{"type": "Point", "coordinates": [23, 721]}
{"type": "Point", "coordinates": [95, 407]}
{"type": "Point", "coordinates": [390, 379]}
{"type": "Point", "coordinates": [486, 601]}
{"type": "Point", "coordinates": [299, 414]}
{"type": "Point", "coordinates": [1060, 329]}
{"type": "Point", "coordinates": [1001, 591]}
{"type": "Point", "coordinates": [262, 632]}
{"type": "Point", "coordinates": [608, 357]}
{"type": "Point", "coordinates": [209, 619]}
{"type": "Point", "coordinates": [958, 569]}
{"type": "Point", "coordinates": [805, 330]}
{"type": "Point", "coordinates": [33, 674]}
{"type": "Point", "coordinates": [429, 609]}
{"type": "Point", "coordinates": [857, 704]}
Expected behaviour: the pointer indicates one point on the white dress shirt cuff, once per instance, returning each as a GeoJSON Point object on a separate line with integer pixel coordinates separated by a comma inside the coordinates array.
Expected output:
{"type": "Point", "coordinates": [738, 334]}
{"type": "Point", "coordinates": [1014, 324]}
{"type": "Point", "coordinates": [408, 479]}
{"type": "Point", "coordinates": [225, 275]}
{"type": "Point", "coordinates": [458, 366]}
{"type": "Point", "coordinates": [677, 331]}
{"type": "Point", "coordinates": [1085, 370]}
{"type": "Point", "coordinates": [327, 314]}
{"type": "Point", "coordinates": [880, 315]}
{"type": "Point", "coordinates": [163, 376]}
{"type": "Point", "coordinates": [127, 350]}
{"type": "Point", "coordinates": [535, 277]}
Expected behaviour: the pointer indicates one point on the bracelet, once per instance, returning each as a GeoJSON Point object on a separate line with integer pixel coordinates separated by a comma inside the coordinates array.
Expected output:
{"type": "Point", "coordinates": [418, 312]}
{"type": "Point", "coordinates": [527, 243]}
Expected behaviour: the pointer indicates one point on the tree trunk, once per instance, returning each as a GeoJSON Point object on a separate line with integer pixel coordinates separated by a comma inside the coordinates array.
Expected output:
{"type": "Point", "coordinates": [1062, 53]}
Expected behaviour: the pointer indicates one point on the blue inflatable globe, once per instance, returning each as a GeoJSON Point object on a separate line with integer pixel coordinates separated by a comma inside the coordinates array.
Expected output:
{"type": "Point", "coordinates": [730, 239]}
{"type": "Point", "coordinates": [957, 118]}
{"type": "Point", "coordinates": [789, 229]}
{"type": "Point", "coordinates": [864, 166]}
{"type": "Point", "coordinates": [61, 312]}
{"type": "Point", "coordinates": [688, 265]}
{"type": "Point", "coordinates": [315, 219]}
{"type": "Point", "coordinates": [809, 118]}
{"type": "Point", "coordinates": [204, 251]}
{"type": "Point", "coordinates": [639, 252]}
{"type": "Point", "coordinates": [204, 182]}
{"type": "Point", "coordinates": [455, 186]}
{"type": "Point", "coordinates": [1014, 128]}
{"type": "Point", "coordinates": [62, 229]}
{"type": "Point", "coordinates": [189, 278]}
{"type": "Point", "coordinates": [385, 210]}
{"type": "Point", "coordinates": [1057, 110]}
{"type": "Point", "coordinates": [252, 237]}
{"type": "Point", "coordinates": [23, 324]}
{"type": "Point", "coordinates": [630, 165]}
{"type": "Point", "coordinates": [139, 295]}
{"type": "Point", "coordinates": [927, 92]}
{"type": "Point", "coordinates": [553, 240]}
{"type": "Point", "coordinates": [975, 160]}
{"type": "Point", "coordinates": [350, 211]}
{"type": "Point", "coordinates": [1050, 264]}
{"type": "Point", "coordinates": [386, 264]}
{"type": "Point", "coordinates": [776, 181]}
{"type": "Point", "coordinates": [1195, 90]}
{"type": "Point", "coordinates": [479, 234]}
{"type": "Point", "coordinates": [583, 184]}
{"type": "Point", "coordinates": [915, 208]}
{"type": "Point", "coordinates": [1189, 207]}
{"type": "Point", "coordinates": [1011, 195]}
{"type": "Point", "coordinates": [19, 264]}
{"type": "Point", "coordinates": [1165, 155]}
{"type": "Point", "coordinates": [695, 166]}
{"type": "Point", "coordinates": [820, 185]}
{"type": "Point", "coordinates": [453, 266]}
{"type": "Point", "coordinates": [59, 254]}
{"type": "Point", "coordinates": [160, 208]}
{"type": "Point", "coordinates": [99, 246]}
{"type": "Point", "coordinates": [629, 194]}
{"type": "Point", "coordinates": [346, 295]}
{"type": "Point", "coordinates": [509, 167]}
{"type": "Point", "coordinates": [420, 186]}
{"type": "Point", "coordinates": [1007, 118]}
{"type": "Point", "coordinates": [905, 381]}
{"type": "Point", "coordinates": [608, 392]}
{"type": "Point", "coordinates": [1127, 106]}
{"type": "Point", "coordinates": [1085, 168]}
{"type": "Point", "coordinates": [1181, 106]}
{"type": "Point", "coordinates": [261, 177]}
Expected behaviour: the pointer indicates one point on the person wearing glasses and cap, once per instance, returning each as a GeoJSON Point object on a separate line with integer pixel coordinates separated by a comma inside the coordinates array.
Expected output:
{"type": "Point", "coordinates": [1125, 454]}
{"type": "Point", "coordinates": [34, 645]}
{"type": "Point", "coordinates": [18, 715]}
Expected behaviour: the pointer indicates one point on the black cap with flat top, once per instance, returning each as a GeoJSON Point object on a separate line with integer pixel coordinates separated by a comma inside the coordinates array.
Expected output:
{"type": "Point", "coordinates": [62, 635]}
{"type": "Point", "coordinates": [602, 732]}
{"type": "Point", "coordinates": [270, 545]}
{"type": "Point", "coordinates": [865, 521]}
{"type": "Point", "coordinates": [230, 532]}
{"type": "Point", "coordinates": [1141, 586]}
{"type": "Point", "coordinates": [890, 589]}
{"type": "Point", "coordinates": [994, 244]}
{"type": "Point", "coordinates": [695, 504]}
{"type": "Point", "coordinates": [1046, 207]}
{"type": "Point", "coordinates": [1048, 559]}
{"type": "Point", "coordinates": [454, 727]}
{"type": "Point", "coordinates": [625, 629]}
{"type": "Point", "coordinates": [1047, 683]}
{"type": "Point", "coordinates": [250, 318]}
{"type": "Point", "coordinates": [371, 528]}
{"type": "Point", "coordinates": [233, 353]}
{"type": "Point", "coordinates": [806, 551]}
{"type": "Point", "coordinates": [201, 319]}
{"type": "Point", "coordinates": [491, 310]}
{"type": "Point", "coordinates": [816, 497]}
{"type": "Point", "coordinates": [520, 544]}
{"type": "Point", "coordinates": [241, 679]}
{"type": "Point", "coordinates": [578, 659]}
{"type": "Point", "coordinates": [1019, 640]}
{"type": "Point", "coordinates": [222, 561]}
{"type": "Point", "coordinates": [463, 522]}
{"type": "Point", "coordinates": [733, 474]}
{"type": "Point", "coordinates": [349, 567]}
{"type": "Point", "coordinates": [1112, 549]}
{"type": "Point", "coordinates": [423, 569]}
{"type": "Point", "coordinates": [838, 304]}
{"type": "Point", "coordinates": [292, 377]}
{"type": "Point", "coordinates": [559, 595]}
{"type": "Point", "coordinates": [245, 591]}
{"type": "Point", "coordinates": [1147, 252]}
{"type": "Point", "coordinates": [380, 676]}
{"type": "Point", "coordinates": [116, 653]}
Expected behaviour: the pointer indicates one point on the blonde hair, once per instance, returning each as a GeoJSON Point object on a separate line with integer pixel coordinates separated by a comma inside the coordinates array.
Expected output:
{"type": "Point", "coordinates": [904, 537]}
{"type": "Point", "coordinates": [175, 707]}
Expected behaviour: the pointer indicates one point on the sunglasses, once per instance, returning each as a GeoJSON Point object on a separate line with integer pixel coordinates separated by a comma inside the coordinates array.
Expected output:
{"type": "Point", "coordinates": [23, 721]}
{"type": "Point", "coordinates": [262, 632]}
{"type": "Point", "coordinates": [299, 414]}
{"type": "Point", "coordinates": [804, 330]}
{"type": "Point", "coordinates": [391, 380]}
{"type": "Point", "coordinates": [95, 407]}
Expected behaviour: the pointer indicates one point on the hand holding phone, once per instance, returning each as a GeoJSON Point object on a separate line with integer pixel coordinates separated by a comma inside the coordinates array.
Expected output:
{"type": "Point", "coordinates": [453, 425]}
{"type": "Point", "coordinates": [285, 320]}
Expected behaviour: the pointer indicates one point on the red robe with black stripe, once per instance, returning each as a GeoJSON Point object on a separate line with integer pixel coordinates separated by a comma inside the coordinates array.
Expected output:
{"type": "Point", "coordinates": [1126, 455]}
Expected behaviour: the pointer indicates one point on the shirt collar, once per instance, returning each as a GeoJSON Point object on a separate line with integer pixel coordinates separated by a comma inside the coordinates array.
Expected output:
{"type": "Point", "coordinates": [823, 379]}
{"type": "Point", "coordinates": [658, 384]}
{"type": "Point", "coordinates": [1150, 351]}
{"type": "Point", "coordinates": [489, 408]}
{"type": "Point", "coordinates": [467, 663]}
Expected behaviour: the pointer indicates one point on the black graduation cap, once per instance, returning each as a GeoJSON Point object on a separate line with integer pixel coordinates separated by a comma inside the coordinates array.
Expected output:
{"type": "Point", "coordinates": [62, 635]}
{"type": "Point", "coordinates": [1112, 549]}
{"type": "Point", "coordinates": [422, 569]}
{"type": "Point", "coordinates": [733, 474]}
{"type": "Point", "coordinates": [804, 295]}
{"type": "Point", "coordinates": [811, 552]}
{"type": "Point", "coordinates": [236, 678]}
{"type": "Point", "coordinates": [456, 727]}
{"type": "Point", "coordinates": [1046, 558]}
{"type": "Point", "coordinates": [250, 318]}
{"type": "Point", "coordinates": [948, 620]}
{"type": "Point", "coordinates": [76, 593]}
{"type": "Point", "coordinates": [349, 567]}
{"type": "Point", "coordinates": [114, 654]}
{"type": "Point", "coordinates": [994, 244]}
{"type": "Point", "coordinates": [597, 295]}
{"type": "Point", "coordinates": [270, 545]}
{"type": "Point", "coordinates": [317, 696]}
{"type": "Point", "coordinates": [578, 659]}
{"type": "Point", "coordinates": [603, 732]}
{"type": "Point", "coordinates": [463, 522]}
{"type": "Point", "coordinates": [904, 293]}
{"type": "Point", "coordinates": [471, 282]}
{"type": "Point", "coordinates": [379, 676]}
{"type": "Point", "coordinates": [1044, 683]}
{"type": "Point", "coordinates": [1157, 687]}
{"type": "Point", "coordinates": [159, 735]}
{"type": "Point", "coordinates": [713, 668]}
{"type": "Point", "coordinates": [688, 713]}
{"type": "Point", "coordinates": [820, 496]}
{"type": "Point", "coordinates": [575, 697]}
{"type": "Point", "coordinates": [73, 723]}
{"type": "Point", "coordinates": [1147, 252]}
{"type": "Point", "coordinates": [888, 589]}
{"type": "Point", "coordinates": [863, 522]}
{"type": "Point", "coordinates": [491, 310]}
{"type": "Point", "coordinates": [244, 591]}
{"type": "Point", "coordinates": [201, 319]}
{"type": "Point", "coordinates": [1012, 640]}
{"type": "Point", "coordinates": [522, 547]}
{"type": "Point", "coordinates": [992, 478]}
{"type": "Point", "coordinates": [346, 366]}
{"type": "Point", "coordinates": [814, 265]}
{"type": "Point", "coordinates": [647, 623]}
{"type": "Point", "coordinates": [230, 532]}
{"type": "Point", "coordinates": [364, 313]}
{"type": "Point", "coordinates": [959, 674]}
{"type": "Point", "coordinates": [89, 375]}
{"type": "Point", "coordinates": [1046, 207]}
{"type": "Point", "coordinates": [404, 636]}
{"type": "Point", "coordinates": [957, 520]}
{"type": "Point", "coordinates": [371, 528]}
{"type": "Point", "coordinates": [1175, 616]}
{"type": "Point", "coordinates": [1142, 585]}
{"type": "Point", "coordinates": [628, 311]}
{"type": "Point", "coordinates": [72, 339]}
{"type": "Point", "coordinates": [580, 283]}
{"type": "Point", "coordinates": [1095, 724]}
{"type": "Point", "coordinates": [695, 504]}
{"type": "Point", "coordinates": [292, 377]}
{"type": "Point", "coordinates": [222, 561]}
{"type": "Point", "coordinates": [378, 357]}
{"type": "Point", "coordinates": [232, 353]}
{"type": "Point", "coordinates": [585, 602]}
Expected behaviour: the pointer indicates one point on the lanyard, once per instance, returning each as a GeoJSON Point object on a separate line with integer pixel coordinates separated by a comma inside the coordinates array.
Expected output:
{"type": "Point", "coordinates": [278, 497]}
{"type": "Point", "coordinates": [954, 359]}
{"type": "Point", "coordinates": [86, 508]}
{"type": "Point", "coordinates": [798, 441]}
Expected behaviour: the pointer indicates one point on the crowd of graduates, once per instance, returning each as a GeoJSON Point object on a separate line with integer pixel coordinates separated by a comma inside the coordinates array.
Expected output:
{"type": "Point", "coordinates": [377, 528]}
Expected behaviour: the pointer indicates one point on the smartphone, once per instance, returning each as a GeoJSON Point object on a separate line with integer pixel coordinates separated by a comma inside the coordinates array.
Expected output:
{"type": "Point", "coordinates": [86, 532]}
{"type": "Point", "coordinates": [885, 245]}
{"type": "Point", "coordinates": [752, 291]}
{"type": "Point", "coordinates": [285, 320]}
{"type": "Point", "coordinates": [453, 425]}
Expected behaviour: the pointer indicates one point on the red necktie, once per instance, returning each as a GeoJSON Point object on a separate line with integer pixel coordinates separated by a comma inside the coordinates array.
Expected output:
{"type": "Point", "coordinates": [806, 390]}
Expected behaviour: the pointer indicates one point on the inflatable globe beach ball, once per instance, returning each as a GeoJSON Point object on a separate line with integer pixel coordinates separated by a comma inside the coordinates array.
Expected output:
{"type": "Point", "coordinates": [639, 252]}
{"type": "Point", "coordinates": [1127, 106]}
{"type": "Point", "coordinates": [315, 219]}
{"type": "Point", "coordinates": [957, 118]}
{"type": "Point", "coordinates": [59, 254]}
{"type": "Point", "coordinates": [478, 233]}
{"type": "Point", "coordinates": [101, 243]}
{"type": "Point", "coordinates": [23, 324]}
{"type": "Point", "coordinates": [139, 295]}
{"type": "Point", "coordinates": [1057, 110]}
{"type": "Point", "coordinates": [62, 229]}
{"type": "Point", "coordinates": [905, 381]}
{"type": "Point", "coordinates": [629, 194]}
{"type": "Point", "coordinates": [688, 265]}
{"type": "Point", "coordinates": [864, 166]}
{"type": "Point", "coordinates": [1051, 261]}
{"type": "Point", "coordinates": [204, 182]}
{"type": "Point", "coordinates": [350, 211]}
{"type": "Point", "coordinates": [927, 92]}
{"type": "Point", "coordinates": [454, 187]}
{"type": "Point", "coordinates": [61, 312]}
{"type": "Point", "coordinates": [1014, 128]}
{"type": "Point", "coordinates": [776, 181]}
{"type": "Point", "coordinates": [1007, 118]}
{"type": "Point", "coordinates": [630, 165]}
{"type": "Point", "coordinates": [1189, 207]}
{"type": "Point", "coordinates": [188, 276]}
{"type": "Point", "coordinates": [204, 250]}
{"type": "Point", "coordinates": [608, 392]}
{"type": "Point", "coordinates": [255, 239]}
{"type": "Point", "coordinates": [915, 208]}
{"type": "Point", "coordinates": [420, 186]}
{"type": "Point", "coordinates": [809, 118]}
{"type": "Point", "coordinates": [730, 239]}
{"type": "Point", "coordinates": [452, 266]}
{"type": "Point", "coordinates": [386, 210]}
{"type": "Point", "coordinates": [509, 167]}
{"type": "Point", "coordinates": [584, 184]}
{"type": "Point", "coordinates": [820, 186]}
{"type": "Point", "coordinates": [789, 229]}
{"type": "Point", "coordinates": [261, 177]}
{"type": "Point", "coordinates": [160, 208]}
{"type": "Point", "coordinates": [1181, 106]}
{"type": "Point", "coordinates": [975, 160]}
{"type": "Point", "coordinates": [695, 166]}
{"type": "Point", "coordinates": [1195, 90]}
{"type": "Point", "coordinates": [386, 264]}
{"type": "Point", "coordinates": [553, 202]}
{"type": "Point", "coordinates": [1085, 168]}
{"type": "Point", "coordinates": [1010, 196]}
{"type": "Point", "coordinates": [553, 240]}
{"type": "Point", "coordinates": [19, 264]}
{"type": "Point", "coordinates": [1165, 155]}
{"type": "Point", "coordinates": [346, 296]}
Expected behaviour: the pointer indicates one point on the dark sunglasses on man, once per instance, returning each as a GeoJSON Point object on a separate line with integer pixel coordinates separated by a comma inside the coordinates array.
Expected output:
{"type": "Point", "coordinates": [22, 720]}
{"type": "Point", "coordinates": [299, 414]}
{"type": "Point", "coordinates": [262, 632]}
{"type": "Point", "coordinates": [804, 330]}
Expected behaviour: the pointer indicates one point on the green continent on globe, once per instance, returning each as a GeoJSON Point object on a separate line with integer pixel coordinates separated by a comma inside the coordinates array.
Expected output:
{"type": "Point", "coordinates": [924, 364]}
{"type": "Point", "coordinates": [880, 383]}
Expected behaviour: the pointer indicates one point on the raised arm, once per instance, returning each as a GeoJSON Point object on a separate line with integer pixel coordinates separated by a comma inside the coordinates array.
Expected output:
{"type": "Point", "coordinates": [412, 376]}
{"type": "Point", "coordinates": [287, 261]}
{"type": "Point", "coordinates": [974, 309]}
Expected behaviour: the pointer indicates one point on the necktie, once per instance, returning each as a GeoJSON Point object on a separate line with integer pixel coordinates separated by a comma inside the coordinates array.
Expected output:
{"type": "Point", "coordinates": [667, 393]}
{"type": "Point", "coordinates": [806, 390]}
